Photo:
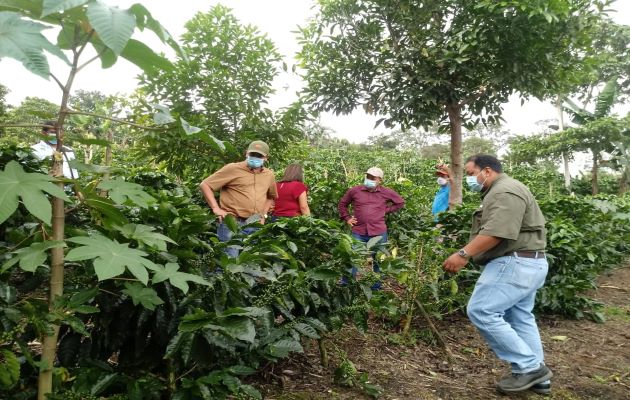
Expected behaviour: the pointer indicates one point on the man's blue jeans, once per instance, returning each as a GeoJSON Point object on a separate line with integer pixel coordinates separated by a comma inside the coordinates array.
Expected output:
{"type": "Point", "coordinates": [225, 235]}
{"type": "Point", "coordinates": [501, 308]}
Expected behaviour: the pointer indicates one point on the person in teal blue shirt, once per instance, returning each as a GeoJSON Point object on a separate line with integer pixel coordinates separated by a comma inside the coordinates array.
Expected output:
{"type": "Point", "coordinates": [440, 202]}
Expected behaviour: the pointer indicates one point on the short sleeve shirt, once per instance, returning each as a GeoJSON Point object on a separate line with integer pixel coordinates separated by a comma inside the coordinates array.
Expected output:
{"type": "Point", "coordinates": [287, 204]}
{"type": "Point", "coordinates": [243, 192]}
{"type": "Point", "coordinates": [509, 211]}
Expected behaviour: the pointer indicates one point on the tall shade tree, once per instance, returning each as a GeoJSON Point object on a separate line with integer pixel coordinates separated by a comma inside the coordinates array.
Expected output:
{"type": "Point", "coordinates": [416, 62]}
{"type": "Point", "coordinates": [81, 24]}
{"type": "Point", "coordinates": [223, 89]}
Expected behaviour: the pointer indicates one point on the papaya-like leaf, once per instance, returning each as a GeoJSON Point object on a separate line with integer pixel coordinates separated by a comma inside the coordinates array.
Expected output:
{"type": "Point", "coordinates": [30, 187]}
{"type": "Point", "coordinates": [142, 56]}
{"type": "Point", "coordinates": [142, 295]}
{"type": "Point", "coordinates": [113, 25]}
{"type": "Point", "coordinates": [110, 257]}
{"type": "Point", "coordinates": [53, 6]}
{"type": "Point", "coordinates": [145, 235]}
{"type": "Point", "coordinates": [144, 19]}
{"type": "Point", "coordinates": [22, 40]}
{"type": "Point", "coordinates": [31, 257]}
{"type": "Point", "coordinates": [121, 191]}
{"type": "Point", "coordinates": [178, 279]}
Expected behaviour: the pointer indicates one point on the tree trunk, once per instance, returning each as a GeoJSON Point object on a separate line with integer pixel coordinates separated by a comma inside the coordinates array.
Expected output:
{"type": "Point", "coordinates": [455, 120]}
{"type": "Point", "coordinates": [49, 347]}
{"type": "Point", "coordinates": [565, 158]}
{"type": "Point", "coordinates": [594, 182]}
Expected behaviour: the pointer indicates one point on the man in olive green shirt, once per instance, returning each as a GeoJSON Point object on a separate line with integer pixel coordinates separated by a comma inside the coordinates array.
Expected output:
{"type": "Point", "coordinates": [246, 189]}
{"type": "Point", "coordinates": [508, 239]}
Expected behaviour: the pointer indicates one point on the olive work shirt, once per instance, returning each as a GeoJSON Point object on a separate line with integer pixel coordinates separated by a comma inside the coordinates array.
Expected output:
{"type": "Point", "coordinates": [243, 192]}
{"type": "Point", "coordinates": [510, 212]}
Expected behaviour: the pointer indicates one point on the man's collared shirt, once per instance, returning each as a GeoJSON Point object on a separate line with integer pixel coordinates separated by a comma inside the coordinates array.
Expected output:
{"type": "Point", "coordinates": [510, 212]}
{"type": "Point", "coordinates": [243, 192]}
{"type": "Point", "coordinates": [369, 208]}
{"type": "Point", "coordinates": [43, 150]}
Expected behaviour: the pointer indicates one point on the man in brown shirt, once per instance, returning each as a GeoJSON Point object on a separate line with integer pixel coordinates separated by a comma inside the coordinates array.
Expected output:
{"type": "Point", "coordinates": [508, 239]}
{"type": "Point", "coordinates": [247, 189]}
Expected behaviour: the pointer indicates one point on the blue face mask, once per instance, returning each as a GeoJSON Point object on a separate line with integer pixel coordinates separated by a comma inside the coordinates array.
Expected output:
{"type": "Point", "coordinates": [52, 139]}
{"type": "Point", "coordinates": [369, 183]}
{"type": "Point", "coordinates": [472, 183]}
{"type": "Point", "coordinates": [254, 162]}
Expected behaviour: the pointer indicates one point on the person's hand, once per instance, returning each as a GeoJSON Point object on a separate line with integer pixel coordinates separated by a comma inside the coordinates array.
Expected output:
{"type": "Point", "coordinates": [352, 221]}
{"type": "Point", "coordinates": [455, 263]}
{"type": "Point", "coordinates": [220, 213]}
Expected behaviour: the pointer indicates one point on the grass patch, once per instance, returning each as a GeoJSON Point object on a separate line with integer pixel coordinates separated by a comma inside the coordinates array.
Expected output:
{"type": "Point", "coordinates": [618, 313]}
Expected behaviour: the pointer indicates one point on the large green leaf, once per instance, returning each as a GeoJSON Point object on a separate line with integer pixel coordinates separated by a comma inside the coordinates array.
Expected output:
{"type": "Point", "coordinates": [22, 40]}
{"type": "Point", "coordinates": [283, 347]}
{"type": "Point", "coordinates": [30, 8]}
{"type": "Point", "coordinates": [121, 191]}
{"type": "Point", "coordinates": [146, 59]}
{"type": "Point", "coordinates": [10, 371]}
{"type": "Point", "coordinates": [142, 295]}
{"type": "Point", "coordinates": [111, 257]}
{"type": "Point", "coordinates": [144, 19]}
{"type": "Point", "coordinates": [238, 327]}
{"type": "Point", "coordinates": [607, 98]}
{"type": "Point", "coordinates": [15, 184]}
{"type": "Point", "coordinates": [32, 256]}
{"type": "Point", "coordinates": [145, 234]}
{"type": "Point", "coordinates": [53, 6]}
{"type": "Point", "coordinates": [178, 279]}
{"type": "Point", "coordinates": [113, 25]}
{"type": "Point", "coordinates": [107, 208]}
{"type": "Point", "coordinates": [162, 114]}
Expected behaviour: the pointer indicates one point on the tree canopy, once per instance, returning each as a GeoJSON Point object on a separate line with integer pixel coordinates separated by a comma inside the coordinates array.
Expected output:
{"type": "Point", "coordinates": [418, 62]}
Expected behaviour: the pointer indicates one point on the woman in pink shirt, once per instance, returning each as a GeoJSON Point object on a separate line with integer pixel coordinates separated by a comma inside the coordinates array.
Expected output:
{"type": "Point", "coordinates": [291, 201]}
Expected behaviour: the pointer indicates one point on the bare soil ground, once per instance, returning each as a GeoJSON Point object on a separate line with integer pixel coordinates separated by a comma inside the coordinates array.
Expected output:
{"type": "Point", "coordinates": [589, 360]}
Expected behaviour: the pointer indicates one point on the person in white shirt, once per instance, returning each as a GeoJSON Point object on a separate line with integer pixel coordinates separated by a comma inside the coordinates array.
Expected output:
{"type": "Point", "coordinates": [48, 145]}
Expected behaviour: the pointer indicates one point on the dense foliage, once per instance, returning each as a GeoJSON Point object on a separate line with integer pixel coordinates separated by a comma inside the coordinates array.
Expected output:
{"type": "Point", "coordinates": [115, 285]}
{"type": "Point", "coordinates": [241, 314]}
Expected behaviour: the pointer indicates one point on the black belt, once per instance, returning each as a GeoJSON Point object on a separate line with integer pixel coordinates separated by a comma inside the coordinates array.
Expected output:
{"type": "Point", "coordinates": [527, 254]}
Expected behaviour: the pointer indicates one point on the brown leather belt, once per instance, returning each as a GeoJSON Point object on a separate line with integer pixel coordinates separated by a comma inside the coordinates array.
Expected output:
{"type": "Point", "coordinates": [527, 254]}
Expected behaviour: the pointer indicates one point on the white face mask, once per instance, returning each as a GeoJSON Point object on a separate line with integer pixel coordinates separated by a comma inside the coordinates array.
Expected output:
{"type": "Point", "coordinates": [442, 181]}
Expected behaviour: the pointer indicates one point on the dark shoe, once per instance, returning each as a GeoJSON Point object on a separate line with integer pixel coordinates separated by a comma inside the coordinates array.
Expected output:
{"type": "Point", "coordinates": [519, 382]}
{"type": "Point", "coordinates": [542, 388]}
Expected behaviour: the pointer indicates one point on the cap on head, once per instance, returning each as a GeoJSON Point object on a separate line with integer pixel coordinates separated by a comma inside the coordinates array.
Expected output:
{"type": "Point", "coordinates": [375, 171]}
{"type": "Point", "coordinates": [258, 146]}
{"type": "Point", "coordinates": [49, 126]}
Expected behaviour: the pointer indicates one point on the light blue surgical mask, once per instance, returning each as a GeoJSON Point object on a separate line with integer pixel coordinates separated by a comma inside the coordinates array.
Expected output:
{"type": "Point", "coordinates": [473, 184]}
{"type": "Point", "coordinates": [52, 139]}
{"type": "Point", "coordinates": [369, 183]}
{"type": "Point", "coordinates": [255, 162]}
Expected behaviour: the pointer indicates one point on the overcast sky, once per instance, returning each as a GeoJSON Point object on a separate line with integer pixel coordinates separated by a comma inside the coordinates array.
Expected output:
{"type": "Point", "coordinates": [278, 19]}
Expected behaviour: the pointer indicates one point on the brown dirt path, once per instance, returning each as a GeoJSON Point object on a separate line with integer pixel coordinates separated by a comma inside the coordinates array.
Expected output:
{"type": "Point", "coordinates": [590, 361]}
